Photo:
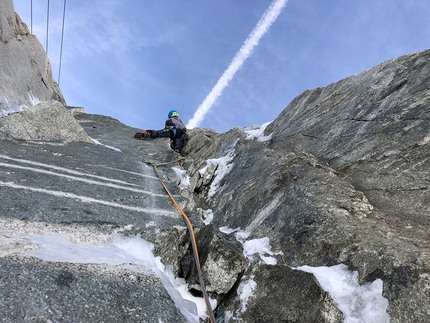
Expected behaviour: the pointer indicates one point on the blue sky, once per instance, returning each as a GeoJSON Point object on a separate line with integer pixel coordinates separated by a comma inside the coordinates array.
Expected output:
{"type": "Point", "coordinates": [136, 60]}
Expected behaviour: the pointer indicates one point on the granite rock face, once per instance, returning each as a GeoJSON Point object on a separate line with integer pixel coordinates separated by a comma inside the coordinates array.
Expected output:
{"type": "Point", "coordinates": [361, 125]}
{"type": "Point", "coordinates": [343, 179]}
{"type": "Point", "coordinates": [302, 298]}
{"type": "Point", "coordinates": [90, 194]}
{"type": "Point", "coordinates": [25, 70]}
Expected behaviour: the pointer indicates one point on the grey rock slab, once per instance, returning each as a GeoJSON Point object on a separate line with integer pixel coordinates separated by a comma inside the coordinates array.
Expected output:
{"type": "Point", "coordinates": [88, 192]}
{"type": "Point", "coordinates": [93, 184]}
{"type": "Point", "coordinates": [111, 132]}
{"type": "Point", "coordinates": [35, 291]}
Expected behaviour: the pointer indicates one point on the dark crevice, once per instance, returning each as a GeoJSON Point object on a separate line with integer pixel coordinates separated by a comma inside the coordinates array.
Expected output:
{"type": "Point", "coordinates": [362, 120]}
{"type": "Point", "coordinates": [310, 136]}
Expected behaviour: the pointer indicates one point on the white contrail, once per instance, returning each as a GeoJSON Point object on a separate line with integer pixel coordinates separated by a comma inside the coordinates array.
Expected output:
{"type": "Point", "coordinates": [244, 52]}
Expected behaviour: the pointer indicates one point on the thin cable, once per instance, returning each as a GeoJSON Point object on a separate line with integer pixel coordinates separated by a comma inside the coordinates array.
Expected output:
{"type": "Point", "coordinates": [47, 28]}
{"type": "Point", "coordinates": [31, 17]}
{"type": "Point", "coordinates": [62, 39]}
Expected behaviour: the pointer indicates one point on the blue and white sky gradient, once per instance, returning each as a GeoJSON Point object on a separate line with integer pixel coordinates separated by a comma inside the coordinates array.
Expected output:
{"type": "Point", "coordinates": [136, 60]}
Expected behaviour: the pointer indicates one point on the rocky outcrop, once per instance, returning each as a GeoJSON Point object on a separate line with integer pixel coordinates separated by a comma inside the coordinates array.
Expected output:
{"type": "Point", "coordinates": [301, 296]}
{"type": "Point", "coordinates": [343, 179]}
{"type": "Point", "coordinates": [216, 250]}
{"type": "Point", "coordinates": [25, 70]}
{"type": "Point", "coordinates": [31, 104]}
{"type": "Point", "coordinates": [46, 121]}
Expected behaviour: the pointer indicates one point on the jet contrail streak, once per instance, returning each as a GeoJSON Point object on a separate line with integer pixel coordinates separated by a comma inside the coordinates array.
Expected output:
{"type": "Point", "coordinates": [244, 52]}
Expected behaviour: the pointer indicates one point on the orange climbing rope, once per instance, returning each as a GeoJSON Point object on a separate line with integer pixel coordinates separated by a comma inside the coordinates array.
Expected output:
{"type": "Point", "coordinates": [192, 239]}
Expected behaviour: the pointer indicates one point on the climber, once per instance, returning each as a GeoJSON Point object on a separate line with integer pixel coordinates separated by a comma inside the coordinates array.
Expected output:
{"type": "Point", "coordinates": [174, 129]}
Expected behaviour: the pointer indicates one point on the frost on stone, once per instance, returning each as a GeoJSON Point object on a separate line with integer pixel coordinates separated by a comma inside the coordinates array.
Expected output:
{"type": "Point", "coordinates": [208, 216]}
{"type": "Point", "coordinates": [359, 303]}
{"type": "Point", "coordinates": [251, 247]}
{"type": "Point", "coordinates": [119, 250]}
{"type": "Point", "coordinates": [217, 168]}
{"type": "Point", "coordinates": [7, 107]}
{"type": "Point", "coordinates": [183, 177]}
{"type": "Point", "coordinates": [257, 132]}
{"type": "Point", "coordinates": [32, 99]}
{"type": "Point", "coordinates": [245, 291]}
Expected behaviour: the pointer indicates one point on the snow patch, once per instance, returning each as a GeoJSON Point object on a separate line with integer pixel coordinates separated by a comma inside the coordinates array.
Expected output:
{"type": "Point", "coordinates": [58, 248]}
{"type": "Point", "coordinates": [240, 235]}
{"type": "Point", "coordinates": [183, 177]}
{"type": "Point", "coordinates": [359, 304]}
{"type": "Point", "coordinates": [255, 246]}
{"type": "Point", "coordinates": [221, 166]}
{"type": "Point", "coordinates": [32, 99]}
{"type": "Point", "coordinates": [9, 108]}
{"type": "Point", "coordinates": [208, 216]}
{"type": "Point", "coordinates": [14, 107]}
{"type": "Point", "coordinates": [228, 230]}
{"type": "Point", "coordinates": [245, 291]}
{"type": "Point", "coordinates": [260, 247]}
{"type": "Point", "coordinates": [425, 140]}
{"type": "Point", "coordinates": [257, 132]}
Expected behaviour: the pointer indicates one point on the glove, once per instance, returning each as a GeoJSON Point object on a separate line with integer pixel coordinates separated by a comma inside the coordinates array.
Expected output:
{"type": "Point", "coordinates": [142, 135]}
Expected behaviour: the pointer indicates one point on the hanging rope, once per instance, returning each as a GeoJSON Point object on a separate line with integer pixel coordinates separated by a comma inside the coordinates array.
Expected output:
{"type": "Point", "coordinates": [47, 28]}
{"type": "Point", "coordinates": [192, 239]}
{"type": "Point", "coordinates": [62, 39]}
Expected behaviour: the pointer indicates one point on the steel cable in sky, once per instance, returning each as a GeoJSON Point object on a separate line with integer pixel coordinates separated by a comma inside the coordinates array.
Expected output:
{"type": "Point", "coordinates": [244, 52]}
{"type": "Point", "coordinates": [62, 40]}
{"type": "Point", "coordinates": [47, 28]}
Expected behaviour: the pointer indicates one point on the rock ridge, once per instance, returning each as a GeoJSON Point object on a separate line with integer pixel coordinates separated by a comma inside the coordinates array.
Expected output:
{"type": "Point", "coordinates": [343, 179]}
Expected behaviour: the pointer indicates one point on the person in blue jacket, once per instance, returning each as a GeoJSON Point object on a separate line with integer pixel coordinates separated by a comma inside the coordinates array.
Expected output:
{"type": "Point", "coordinates": [174, 129]}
